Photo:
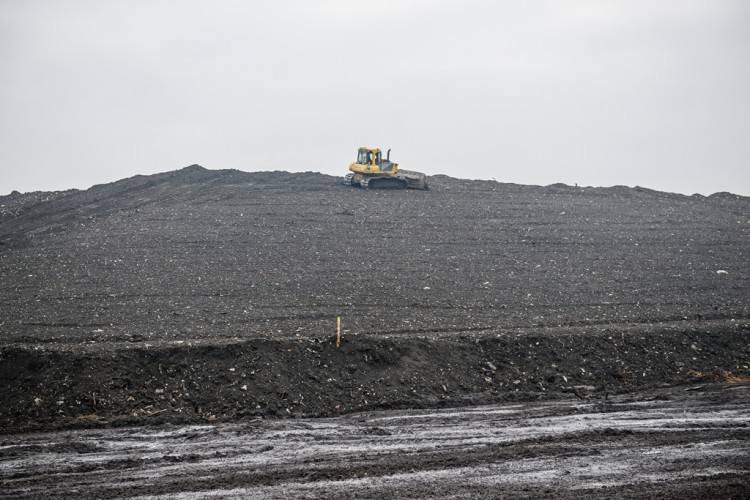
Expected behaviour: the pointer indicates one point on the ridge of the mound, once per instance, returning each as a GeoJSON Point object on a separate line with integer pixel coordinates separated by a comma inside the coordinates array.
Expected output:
{"type": "Point", "coordinates": [197, 173]}
{"type": "Point", "coordinates": [16, 203]}
{"type": "Point", "coordinates": [22, 214]}
{"type": "Point", "coordinates": [29, 213]}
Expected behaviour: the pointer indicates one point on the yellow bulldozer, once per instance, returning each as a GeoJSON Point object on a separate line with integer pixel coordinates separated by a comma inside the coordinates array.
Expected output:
{"type": "Point", "coordinates": [371, 171]}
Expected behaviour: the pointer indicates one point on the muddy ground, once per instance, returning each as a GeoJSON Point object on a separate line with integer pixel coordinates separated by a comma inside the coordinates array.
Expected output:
{"type": "Point", "coordinates": [199, 296]}
{"type": "Point", "coordinates": [667, 443]}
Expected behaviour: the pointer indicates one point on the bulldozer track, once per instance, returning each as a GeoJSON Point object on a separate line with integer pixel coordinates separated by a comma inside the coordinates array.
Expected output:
{"type": "Point", "coordinates": [384, 183]}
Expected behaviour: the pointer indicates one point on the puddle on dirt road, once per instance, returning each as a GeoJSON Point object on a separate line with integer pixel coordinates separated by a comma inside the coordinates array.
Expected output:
{"type": "Point", "coordinates": [662, 442]}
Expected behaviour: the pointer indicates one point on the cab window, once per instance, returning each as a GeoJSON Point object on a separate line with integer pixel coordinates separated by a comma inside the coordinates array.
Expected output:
{"type": "Point", "coordinates": [363, 157]}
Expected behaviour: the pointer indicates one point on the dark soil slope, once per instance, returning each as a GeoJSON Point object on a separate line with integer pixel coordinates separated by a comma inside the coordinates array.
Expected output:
{"type": "Point", "coordinates": [203, 294]}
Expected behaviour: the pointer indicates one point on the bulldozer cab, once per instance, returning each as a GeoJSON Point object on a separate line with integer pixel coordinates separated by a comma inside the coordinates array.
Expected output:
{"type": "Point", "coordinates": [368, 156]}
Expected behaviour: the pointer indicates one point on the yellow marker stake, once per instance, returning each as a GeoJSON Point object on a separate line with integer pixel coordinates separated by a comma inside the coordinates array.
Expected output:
{"type": "Point", "coordinates": [338, 332]}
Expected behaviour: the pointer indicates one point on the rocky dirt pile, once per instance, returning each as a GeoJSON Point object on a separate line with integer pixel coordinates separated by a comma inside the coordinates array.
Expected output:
{"type": "Point", "coordinates": [213, 295]}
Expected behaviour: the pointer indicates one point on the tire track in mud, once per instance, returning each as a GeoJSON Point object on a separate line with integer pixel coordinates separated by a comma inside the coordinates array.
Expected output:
{"type": "Point", "coordinates": [669, 442]}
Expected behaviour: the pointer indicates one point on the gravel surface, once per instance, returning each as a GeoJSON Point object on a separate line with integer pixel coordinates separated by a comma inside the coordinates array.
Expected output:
{"type": "Point", "coordinates": [197, 297]}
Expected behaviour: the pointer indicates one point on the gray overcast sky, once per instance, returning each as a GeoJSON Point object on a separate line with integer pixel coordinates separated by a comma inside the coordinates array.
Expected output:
{"type": "Point", "coordinates": [653, 93]}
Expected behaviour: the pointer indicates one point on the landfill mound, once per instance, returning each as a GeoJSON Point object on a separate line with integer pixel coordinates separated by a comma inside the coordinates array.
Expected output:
{"type": "Point", "coordinates": [201, 295]}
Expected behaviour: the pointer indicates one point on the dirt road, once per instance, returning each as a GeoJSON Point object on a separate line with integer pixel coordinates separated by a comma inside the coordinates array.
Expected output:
{"type": "Point", "coordinates": [669, 443]}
